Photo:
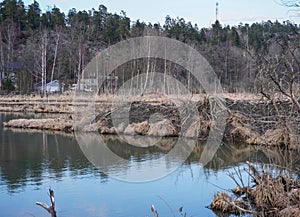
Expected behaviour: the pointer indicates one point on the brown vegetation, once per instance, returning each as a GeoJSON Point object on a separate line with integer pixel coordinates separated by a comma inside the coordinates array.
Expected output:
{"type": "Point", "coordinates": [270, 196]}
{"type": "Point", "coordinates": [56, 124]}
{"type": "Point", "coordinates": [250, 120]}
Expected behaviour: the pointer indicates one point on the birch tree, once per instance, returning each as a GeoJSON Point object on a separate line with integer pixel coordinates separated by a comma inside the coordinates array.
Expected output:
{"type": "Point", "coordinates": [43, 48]}
{"type": "Point", "coordinates": [57, 41]}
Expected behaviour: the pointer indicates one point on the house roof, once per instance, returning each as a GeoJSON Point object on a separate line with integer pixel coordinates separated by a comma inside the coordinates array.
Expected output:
{"type": "Point", "coordinates": [39, 84]}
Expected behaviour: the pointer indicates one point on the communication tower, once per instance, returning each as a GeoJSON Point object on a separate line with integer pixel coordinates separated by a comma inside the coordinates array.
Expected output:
{"type": "Point", "coordinates": [217, 10]}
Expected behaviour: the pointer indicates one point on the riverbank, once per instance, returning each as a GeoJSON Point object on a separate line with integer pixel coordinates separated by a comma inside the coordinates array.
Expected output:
{"type": "Point", "coordinates": [250, 119]}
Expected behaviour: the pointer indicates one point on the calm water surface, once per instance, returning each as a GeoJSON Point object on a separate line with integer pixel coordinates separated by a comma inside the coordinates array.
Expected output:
{"type": "Point", "coordinates": [31, 162]}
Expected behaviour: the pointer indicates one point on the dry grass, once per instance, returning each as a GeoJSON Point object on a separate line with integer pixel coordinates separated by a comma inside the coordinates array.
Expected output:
{"type": "Point", "coordinates": [270, 196]}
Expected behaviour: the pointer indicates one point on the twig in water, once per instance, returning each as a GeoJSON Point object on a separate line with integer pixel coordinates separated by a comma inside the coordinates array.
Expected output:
{"type": "Point", "coordinates": [50, 209]}
{"type": "Point", "coordinates": [154, 210]}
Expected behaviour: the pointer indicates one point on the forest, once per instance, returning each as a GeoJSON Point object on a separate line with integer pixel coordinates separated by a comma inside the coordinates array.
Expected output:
{"type": "Point", "coordinates": [40, 46]}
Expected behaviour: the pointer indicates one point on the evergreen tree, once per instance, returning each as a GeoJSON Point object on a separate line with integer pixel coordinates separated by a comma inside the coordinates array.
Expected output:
{"type": "Point", "coordinates": [202, 36]}
{"type": "Point", "coordinates": [138, 29]}
{"type": "Point", "coordinates": [235, 38]}
{"type": "Point", "coordinates": [33, 16]}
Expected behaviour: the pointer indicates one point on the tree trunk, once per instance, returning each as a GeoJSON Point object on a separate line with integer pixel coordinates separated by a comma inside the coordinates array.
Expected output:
{"type": "Point", "coordinates": [55, 55]}
{"type": "Point", "coordinates": [44, 61]}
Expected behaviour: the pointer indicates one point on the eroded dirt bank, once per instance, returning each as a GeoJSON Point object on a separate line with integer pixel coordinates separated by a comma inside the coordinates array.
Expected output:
{"type": "Point", "coordinates": [249, 119]}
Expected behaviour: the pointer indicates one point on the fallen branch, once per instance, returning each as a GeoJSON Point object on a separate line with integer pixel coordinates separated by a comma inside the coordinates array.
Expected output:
{"type": "Point", "coordinates": [240, 208]}
{"type": "Point", "coordinates": [50, 209]}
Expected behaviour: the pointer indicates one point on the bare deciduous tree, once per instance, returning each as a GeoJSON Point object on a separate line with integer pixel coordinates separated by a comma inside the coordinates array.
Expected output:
{"type": "Point", "coordinates": [57, 40]}
{"type": "Point", "coordinates": [43, 48]}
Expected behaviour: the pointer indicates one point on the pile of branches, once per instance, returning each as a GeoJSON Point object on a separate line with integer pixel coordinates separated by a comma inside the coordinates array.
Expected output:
{"type": "Point", "coordinates": [269, 195]}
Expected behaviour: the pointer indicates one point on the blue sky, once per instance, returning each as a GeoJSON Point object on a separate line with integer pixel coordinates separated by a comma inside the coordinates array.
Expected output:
{"type": "Point", "coordinates": [202, 12]}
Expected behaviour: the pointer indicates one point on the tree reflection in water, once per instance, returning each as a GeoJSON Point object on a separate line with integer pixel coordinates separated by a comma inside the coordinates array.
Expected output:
{"type": "Point", "coordinates": [27, 156]}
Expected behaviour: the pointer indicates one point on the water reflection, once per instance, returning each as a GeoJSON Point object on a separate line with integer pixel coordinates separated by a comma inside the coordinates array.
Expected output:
{"type": "Point", "coordinates": [27, 156]}
{"type": "Point", "coordinates": [133, 162]}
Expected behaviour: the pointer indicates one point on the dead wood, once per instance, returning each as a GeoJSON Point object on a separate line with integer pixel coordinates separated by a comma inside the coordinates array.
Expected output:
{"type": "Point", "coordinates": [50, 209]}
{"type": "Point", "coordinates": [268, 196]}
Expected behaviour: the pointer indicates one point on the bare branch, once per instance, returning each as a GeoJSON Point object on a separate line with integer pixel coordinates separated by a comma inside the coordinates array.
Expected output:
{"type": "Point", "coordinates": [240, 208]}
{"type": "Point", "coordinates": [50, 209]}
{"type": "Point", "coordinates": [45, 206]}
{"type": "Point", "coordinates": [154, 210]}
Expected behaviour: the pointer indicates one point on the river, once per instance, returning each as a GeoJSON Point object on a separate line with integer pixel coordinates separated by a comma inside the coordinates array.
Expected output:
{"type": "Point", "coordinates": [31, 162]}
